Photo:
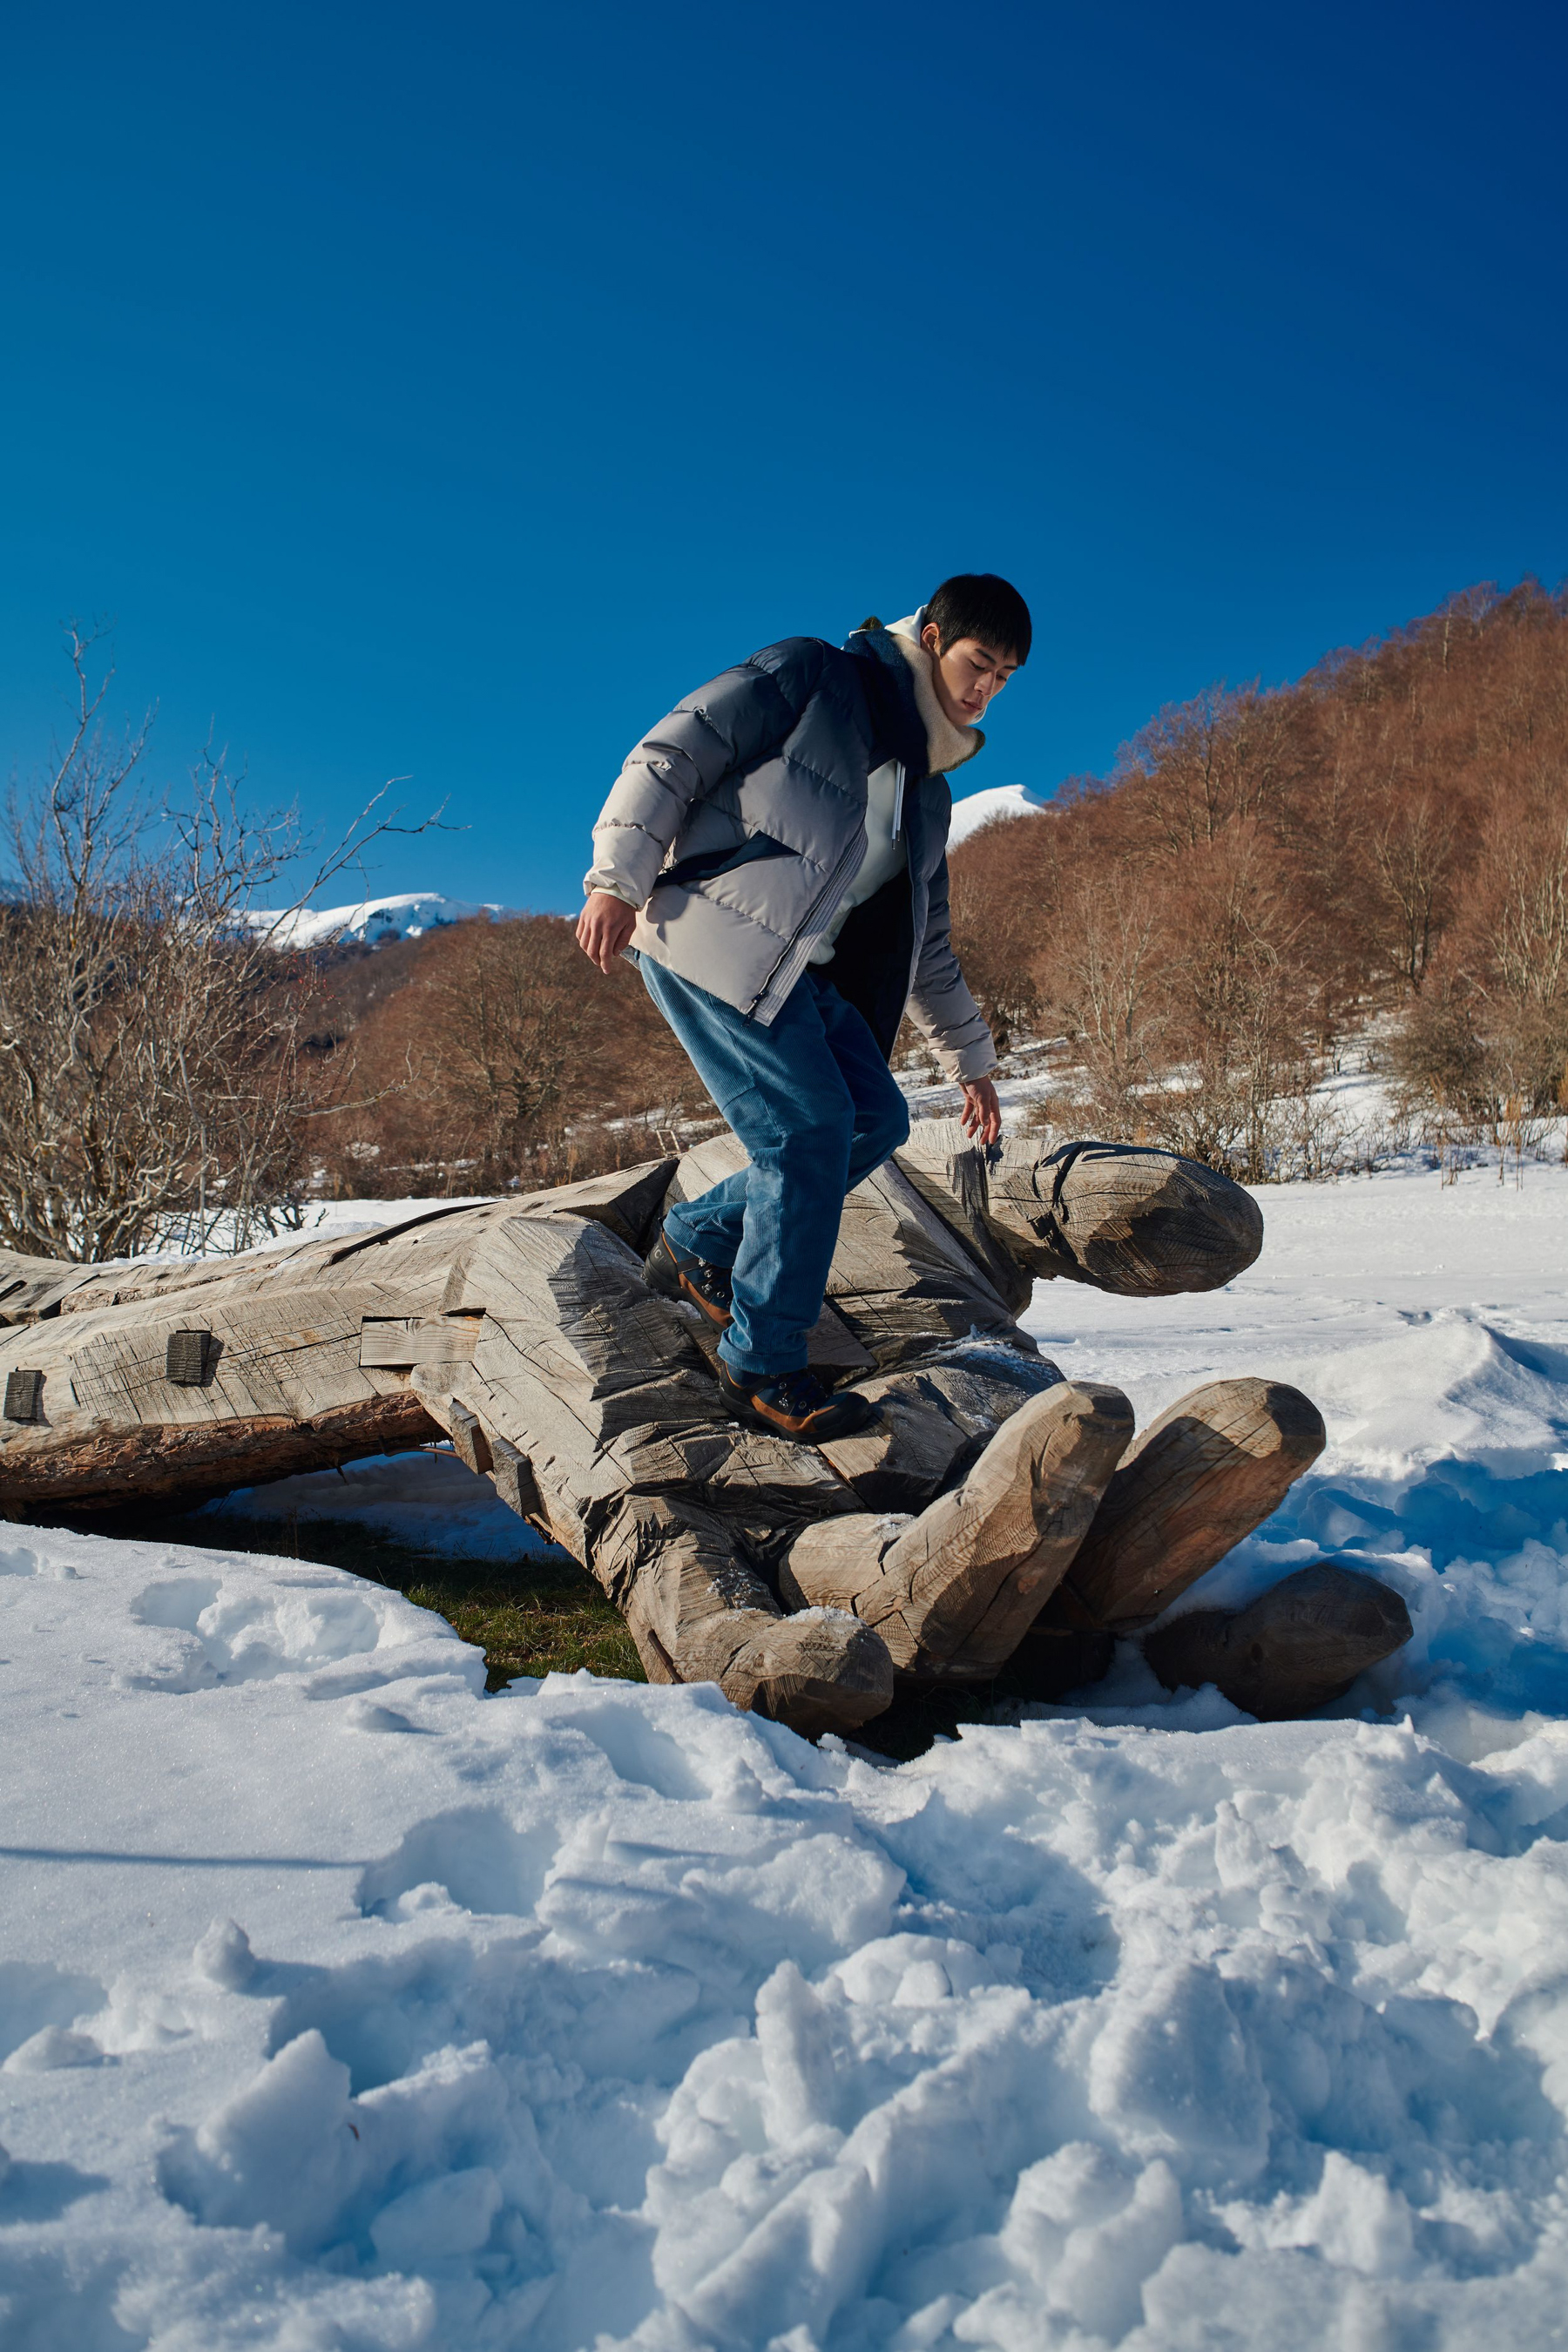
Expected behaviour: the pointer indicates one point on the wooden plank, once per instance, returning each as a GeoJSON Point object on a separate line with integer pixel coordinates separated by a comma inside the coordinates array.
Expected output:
{"type": "Point", "coordinates": [401, 1341]}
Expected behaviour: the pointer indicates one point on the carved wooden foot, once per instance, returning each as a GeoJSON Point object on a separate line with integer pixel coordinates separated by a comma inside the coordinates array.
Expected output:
{"type": "Point", "coordinates": [951, 1592]}
{"type": "Point", "coordinates": [1299, 1646]}
{"type": "Point", "coordinates": [698, 1614]}
{"type": "Point", "coordinates": [1192, 1485]}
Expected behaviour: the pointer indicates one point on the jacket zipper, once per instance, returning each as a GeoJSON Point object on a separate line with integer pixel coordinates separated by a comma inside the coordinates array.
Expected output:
{"type": "Point", "coordinates": [837, 876]}
{"type": "Point", "coordinates": [848, 865]}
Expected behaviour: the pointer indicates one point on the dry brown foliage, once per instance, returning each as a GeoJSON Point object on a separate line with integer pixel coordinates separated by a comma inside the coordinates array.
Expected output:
{"type": "Point", "coordinates": [1265, 872]}
{"type": "Point", "coordinates": [502, 1059]}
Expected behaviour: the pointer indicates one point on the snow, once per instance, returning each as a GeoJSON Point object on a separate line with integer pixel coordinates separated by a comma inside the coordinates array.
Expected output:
{"type": "Point", "coordinates": [425, 1499]}
{"type": "Point", "coordinates": [343, 2006]}
{"type": "Point", "coordinates": [402, 915]}
{"type": "Point", "coordinates": [977, 809]}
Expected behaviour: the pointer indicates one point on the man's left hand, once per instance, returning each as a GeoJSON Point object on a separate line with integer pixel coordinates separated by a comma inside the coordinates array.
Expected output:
{"type": "Point", "coordinates": [982, 1109]}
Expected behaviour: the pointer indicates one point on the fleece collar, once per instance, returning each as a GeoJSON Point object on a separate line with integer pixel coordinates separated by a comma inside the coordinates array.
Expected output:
{"type": "Point", "coordinates": [949, 746]}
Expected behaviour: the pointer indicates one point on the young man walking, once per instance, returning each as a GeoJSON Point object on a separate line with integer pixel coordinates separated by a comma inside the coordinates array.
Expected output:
{"type": "Point", "coordinates": [775, 854]}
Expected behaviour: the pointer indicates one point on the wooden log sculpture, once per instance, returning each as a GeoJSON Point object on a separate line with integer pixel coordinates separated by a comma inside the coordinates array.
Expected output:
{"type": "Point", "coordinates": [934, 1546]}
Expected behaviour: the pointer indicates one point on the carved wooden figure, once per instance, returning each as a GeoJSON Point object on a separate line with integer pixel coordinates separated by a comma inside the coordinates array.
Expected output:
{"type": "Point", "coordinates": [995, 1509]}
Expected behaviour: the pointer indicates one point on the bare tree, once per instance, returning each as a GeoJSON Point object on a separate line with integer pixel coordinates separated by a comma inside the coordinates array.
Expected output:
{"type": "Point", "coordinates": [151, 1072]}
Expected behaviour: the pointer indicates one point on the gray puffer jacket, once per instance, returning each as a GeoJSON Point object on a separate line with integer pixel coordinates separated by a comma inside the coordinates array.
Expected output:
{"type": "Point", "coordinates": [738, 824]}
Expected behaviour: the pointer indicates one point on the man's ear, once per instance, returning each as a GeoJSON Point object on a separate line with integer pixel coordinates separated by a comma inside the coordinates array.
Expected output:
{"type": "Point", "coordinates": [931, 637]}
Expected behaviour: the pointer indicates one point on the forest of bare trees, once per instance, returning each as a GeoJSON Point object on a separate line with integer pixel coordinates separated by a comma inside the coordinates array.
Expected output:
{"type": "Point", "coordinates": [1376, 859]}
{"type": "Point", "coordinates": [1380, 851]}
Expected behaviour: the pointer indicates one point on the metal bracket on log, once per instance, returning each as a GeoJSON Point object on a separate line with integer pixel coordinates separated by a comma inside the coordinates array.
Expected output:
{"type": "Point", "coordinates": [185, 1359]}
{"type": "Point", "coordinates": [23, 1395]}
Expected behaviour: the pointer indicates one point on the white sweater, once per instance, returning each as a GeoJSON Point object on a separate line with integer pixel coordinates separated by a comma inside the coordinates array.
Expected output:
{"type": "Point", "coordinates": [885, 851]}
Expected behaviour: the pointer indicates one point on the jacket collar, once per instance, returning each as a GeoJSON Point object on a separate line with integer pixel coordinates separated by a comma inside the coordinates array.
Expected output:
{"type": "Point", "coordinates": [900, 652]}
{"type": "Point", "coordinates": [950, 746]}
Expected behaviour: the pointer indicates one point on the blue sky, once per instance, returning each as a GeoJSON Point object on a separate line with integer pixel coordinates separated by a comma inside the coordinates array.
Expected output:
{"type": "Point", "coordinates": [440, 392]}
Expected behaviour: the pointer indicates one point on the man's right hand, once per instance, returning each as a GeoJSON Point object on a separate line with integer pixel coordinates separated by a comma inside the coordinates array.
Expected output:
{"type": "Point", "coordinates": [603, 927]}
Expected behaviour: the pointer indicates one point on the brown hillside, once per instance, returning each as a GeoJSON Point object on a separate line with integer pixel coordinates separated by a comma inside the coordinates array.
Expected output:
{"type": "Point", "coordinates": [1264, 872]}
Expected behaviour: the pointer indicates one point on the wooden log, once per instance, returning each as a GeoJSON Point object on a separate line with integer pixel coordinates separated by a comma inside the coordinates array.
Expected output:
{"type": "Point", "coordinates": [33, 1287]}
{"type": "Point", "coordinates": [1195, 1484]}
{"type": "Point", "coordinates": [111, 1463]}
{"type": "Point", "coordinates": [906, 1275]}
{"type": "Point", "coordinates": [1299, 1646]}
{"type": "Point", "coordinates": [698, 1614]}
{"type": "Point", "coordinates": [630, 1200]}
{"type": "Point", "coordinates": [114, 1423]}
{"type": "Point", "coordinates": [602, 1385]}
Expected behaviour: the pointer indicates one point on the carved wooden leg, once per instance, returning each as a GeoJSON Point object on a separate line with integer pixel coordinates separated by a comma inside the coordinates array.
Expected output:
{"type": "Point", "coordinates": [1192, 1485]}
{"type": "Point", "coordinates": [698, 1614]}
{"type": "Point", "coordinates": [676, 1570]}
{"type": "Point", "coordinates": [952, 1590]}
{"type": "Point", "coordinates": [1299, 1646]}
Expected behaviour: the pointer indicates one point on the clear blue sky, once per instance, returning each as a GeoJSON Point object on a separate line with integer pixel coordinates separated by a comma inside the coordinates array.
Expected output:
{"type": "Point", "coordinates": [443, 391]}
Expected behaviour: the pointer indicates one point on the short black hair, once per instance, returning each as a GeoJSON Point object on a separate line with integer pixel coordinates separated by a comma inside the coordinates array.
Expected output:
{"type": "Point", "coordinates": [982, 604]}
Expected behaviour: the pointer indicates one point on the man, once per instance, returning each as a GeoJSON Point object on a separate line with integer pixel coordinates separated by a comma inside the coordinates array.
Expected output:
{"type": "Point", "coordinates": [774, 854]}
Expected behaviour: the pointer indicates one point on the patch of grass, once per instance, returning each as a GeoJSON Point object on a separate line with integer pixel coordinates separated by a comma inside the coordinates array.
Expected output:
{"type": "Point", "coordinates": [550, 1621]}
{"type": "Point", "coordinates": [539, 1616]}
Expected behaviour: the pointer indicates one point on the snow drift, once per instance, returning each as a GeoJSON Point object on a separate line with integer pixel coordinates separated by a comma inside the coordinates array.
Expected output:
{"type": "Point", "coordinates": [343, 2006]}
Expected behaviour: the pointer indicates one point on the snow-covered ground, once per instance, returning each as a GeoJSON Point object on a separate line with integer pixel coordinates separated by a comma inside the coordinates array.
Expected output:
{"type": "Point", "coordinates": [346, 2007]}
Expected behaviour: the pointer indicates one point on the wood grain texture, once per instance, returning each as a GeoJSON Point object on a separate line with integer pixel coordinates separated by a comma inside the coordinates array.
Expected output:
{"type": "Point", "coordinates": [904, 1283]}
{"type": "Point", "coordinates": [1124, 1217]}
{"type": "Point", "coordinates": [952, 1590]}
{"type": "Point", "coordinates": [1299, 1646]}
{"type": "Point", "coordinates": [1194, 1485]}
{"type": "Point", "coordinates": [524, 1330]}
{"type": "Point", "coordinates": [952, 1175]}
{"type": "Point", "coordinates": [630, 1200]}
{"type": "Point", "coordinates": [934, 1419]}
{"type": "Point", "coordinates": [393, 1341]}
{"type": "Point", "coordinates": [111, 1463]}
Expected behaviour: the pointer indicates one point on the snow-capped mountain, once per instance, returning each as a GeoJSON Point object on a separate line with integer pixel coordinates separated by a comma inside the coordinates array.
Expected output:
{"type": "Point", "coordinates": [982, 808]}
{"type": "Point", "coordinates": [402, 915]}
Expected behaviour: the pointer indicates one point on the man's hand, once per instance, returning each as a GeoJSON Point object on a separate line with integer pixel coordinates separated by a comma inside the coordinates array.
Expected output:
{"type": "Point", "coordinates": [603, 927]}
{"type": "Point", "coordinates": [982, 1110]}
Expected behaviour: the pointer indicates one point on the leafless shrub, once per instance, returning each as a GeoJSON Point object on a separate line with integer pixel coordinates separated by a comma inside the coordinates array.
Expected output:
{"type": "Point", "coordinates": [152, 1073]}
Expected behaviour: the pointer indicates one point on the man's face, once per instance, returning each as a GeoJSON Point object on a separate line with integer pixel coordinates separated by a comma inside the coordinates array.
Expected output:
{"type": "Point", "coordinates": [967, 674]}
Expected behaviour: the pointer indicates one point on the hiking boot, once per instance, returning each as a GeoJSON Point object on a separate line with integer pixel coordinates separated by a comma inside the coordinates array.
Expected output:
{"type": "Point", "coordinates": [676, 1273]}
{"type": "Point", "coordinates": [793, 1405]}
